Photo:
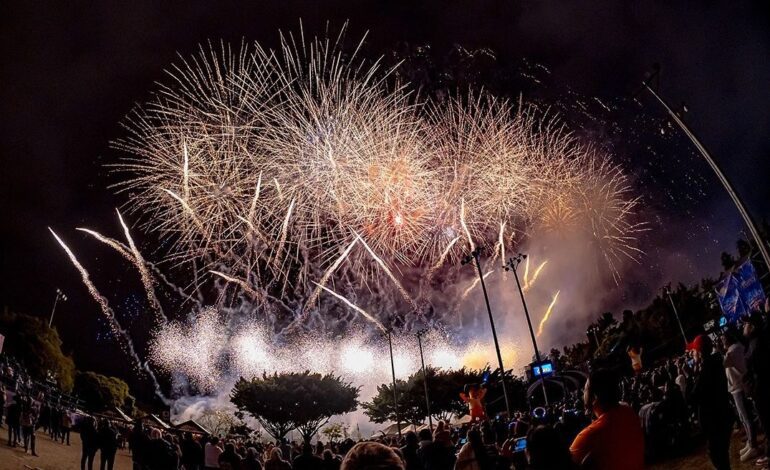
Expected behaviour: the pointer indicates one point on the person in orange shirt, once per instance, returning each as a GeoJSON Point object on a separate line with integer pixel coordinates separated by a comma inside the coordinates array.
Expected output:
{"type": "Point", "coordinates": [615, 439]}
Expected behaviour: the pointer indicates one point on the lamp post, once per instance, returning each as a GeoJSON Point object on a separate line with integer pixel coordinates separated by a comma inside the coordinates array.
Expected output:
{"type": "Point", "coordinates": [393, 371]}
{"type": "Point", "coordinates": [676, 315]}
{"type": "Point", "coordinates": [474, 256]}
{"type": "Point", "coordinates": [594, 330]}
{"type": "Point", "coordinates": [712, 163]}
{"type": "Point", "coordinates": [424, 377]}
{"type": "Point", "coordinates": [512, 264]}
{"type": "Point", "coordinates": [59, 296]}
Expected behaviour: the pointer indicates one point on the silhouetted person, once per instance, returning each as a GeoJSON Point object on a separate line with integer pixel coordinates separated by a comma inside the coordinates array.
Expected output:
{"type": "Point", "coordinates": [228, 459]}
{"type": "Point", "coordinates": [108, 445]}
{"type": "Point", "coordinates": [409, 451]}
{"type": "Point", "coordinates": [276, 462]}
{"type": "Point", "coordinates": [251, 462]}
{"type": "Point", "coordinates": [371, 455]}
{"type": "Point", "coordinates": [546, 450]}
{"type": "Point", "coordinates": [307, 460]}
{"type": "Point", "coordinates": [65, 426]}
{"type": "Point", "coordinates": [192, 452]}
{"type": "Point", "coordinates": [90, 443]}
{"type": "Point", "coordinates": [14, 422]}
{"type": "Point", "coordinates": [711, 399]}
{"type": "Point", "coordinates": [330, 461]}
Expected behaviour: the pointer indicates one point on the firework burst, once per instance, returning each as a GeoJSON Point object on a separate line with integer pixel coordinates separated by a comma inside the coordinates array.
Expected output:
{"type": "Point", "coordinates": [305, 170]}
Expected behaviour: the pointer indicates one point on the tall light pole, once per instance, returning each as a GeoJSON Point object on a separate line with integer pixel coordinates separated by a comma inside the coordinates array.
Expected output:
{"type": "Point", "coordinates": [59, 296]}
{"type": "Point", "coordinates": [594, 330]}
{"type": "Point", "coordinates": [393, 371]}
{"type": "Point", "coordinates": [718, 171]}
{"type": "Point", "coordinates": [676, 314]}
{"type": "Point", "coordinates": [474, 256]}
{"type": "Point", "coordinates": [512, 264]}
{"type": "Point", "coordinates": [425, 377]}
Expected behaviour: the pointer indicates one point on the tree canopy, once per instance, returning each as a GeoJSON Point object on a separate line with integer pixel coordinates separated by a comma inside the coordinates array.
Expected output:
{"type": "Point", "coordinates": [444, 387]}
{"type": "Point", "coordinates": [297, 400]}
{"type": "Point", "coordinates": [100, 392]}
{"type": "Point", "coordinates": [37, 347]}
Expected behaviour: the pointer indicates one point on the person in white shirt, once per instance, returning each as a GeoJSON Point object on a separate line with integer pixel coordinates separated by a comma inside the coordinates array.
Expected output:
{"type": "Point", "coordinates": [735, 369]}
{"type": "Point", "coordinates": [211, 454]}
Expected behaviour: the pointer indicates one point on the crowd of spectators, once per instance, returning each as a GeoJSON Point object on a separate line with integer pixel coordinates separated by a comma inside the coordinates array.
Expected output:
{"type": "Point", "coordinates": [718, 385]}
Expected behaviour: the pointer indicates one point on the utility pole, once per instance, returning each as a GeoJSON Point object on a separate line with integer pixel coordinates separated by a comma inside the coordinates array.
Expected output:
{"type": "Point", "coordinates": [59, 296]}
{"type": "Point", "coordinates": [395, 394]}
{"type": "Point", "coordinates": [474, 256]}
{"type": "Point", "coordinates": [425, 377]}
{"type": "Point", "coordinates": [593, 330]}
{"type": "Point", "coordinates": [676, 314]}
{"type": "Point", "coordinates": [512, 264]}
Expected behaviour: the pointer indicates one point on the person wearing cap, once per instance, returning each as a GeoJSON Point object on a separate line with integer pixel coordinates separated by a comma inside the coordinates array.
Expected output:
{"type": "Point", "coordinates": [711, 400]}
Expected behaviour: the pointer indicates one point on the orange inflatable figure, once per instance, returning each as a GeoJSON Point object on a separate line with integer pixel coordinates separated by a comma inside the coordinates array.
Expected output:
{"type": "Point", "coordinates": [474, 397]}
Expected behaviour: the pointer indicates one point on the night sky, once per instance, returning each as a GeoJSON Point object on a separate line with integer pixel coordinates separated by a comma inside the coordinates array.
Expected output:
{"type": "Point", "coordinates": [70, 72]}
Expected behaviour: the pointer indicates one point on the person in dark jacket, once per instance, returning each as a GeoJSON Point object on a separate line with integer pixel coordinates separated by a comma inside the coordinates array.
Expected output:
{"type": "Point", "coordinates": [13, 420]}
{"type": "Point", "coordinates": [161, 454]}
{"type": "Point", "coordinates": [192, 453]}
{"type": "Point", "coordinates": [90, 441]}
{"type": "Point", "coordinates": [409, 452]}
{"type": "Point", "coordinates": [229, 459]}
{"type": "Point", "coordinates": [108, 445]}
{"type": "Point", "coordinates": [331, 461]}
{"type": "Point", "coordinates": [307, 460]}
{"type": "Point", "coordinates": [138, 442]}
{"type": "Point", "coordinates": [251, 462]}
{"type": "Point", "coordinates": [712, 401]}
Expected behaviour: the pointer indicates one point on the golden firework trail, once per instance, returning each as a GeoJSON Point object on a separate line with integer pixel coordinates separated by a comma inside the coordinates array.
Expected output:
{"type": "Point", "coordinates": [186, 207]}
{"type": "Point", "coordinates": [253, 206]}
{"type": "Point", "coordinates": [475, 282]}
{"type": "Point", "coordinates": [547, 315]}
{"type": "Point", "coordinates": [115, 328]}
{"type": "Point", "coordinates": [284, 234]}
{"type": "Point", "coordinates": [240, 282]}
{"type": "Point", "coordinates": [327, 274]}
{"type": "Point", "coordinates": [500, 246]}
{"type": "Point", "coordinates": [528, 283]}
{"type": "Point", "coordinates": [355, 307]}
{"type": "Point", "coordinates": [465, 226]}
{"type": "Point", "coordinates": [111, 242]}
{"type": "Point", "coordinates": [186, 171]}
{"type": "Point", "coordinates": [144, 273]}
{"type": "Point", "coordinates": [390, 274]}
{"type": "Point", "coordinates": [441, 258]}
{"type": "Point", "coordinates": [124, 251]}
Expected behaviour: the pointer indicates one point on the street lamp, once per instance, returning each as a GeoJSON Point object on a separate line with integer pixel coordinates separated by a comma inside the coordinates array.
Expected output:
{"type": "Point", "coordinates": [474, 256]}
{"type": "Point", "coordinates": [425, 377]}
{"type": "Point", "coordinates": [512, 264]}
{"type": "Point", "coordinates": [667, 290]}
{"type": "Point", "coordinates": [594, 330]}
{"type": "Point", "coordinates": [388, 332]}
{"type": "Point", "coordinates": [59, 296]}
